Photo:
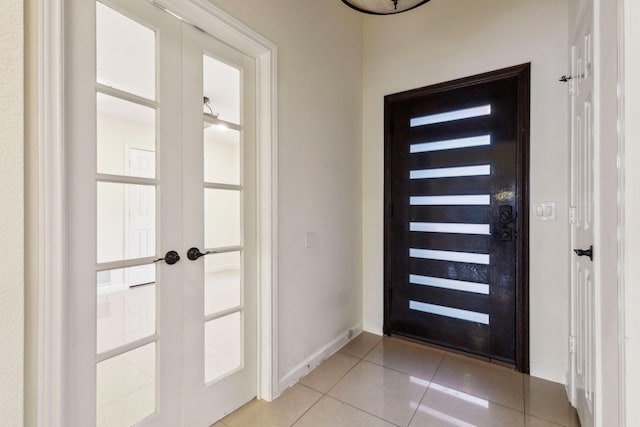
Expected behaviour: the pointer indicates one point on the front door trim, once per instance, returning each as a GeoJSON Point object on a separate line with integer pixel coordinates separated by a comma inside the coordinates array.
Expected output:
{"type": "Point", "coordinates": [522, 73]}
{"type": "Point", "coordinates": [51, 217]}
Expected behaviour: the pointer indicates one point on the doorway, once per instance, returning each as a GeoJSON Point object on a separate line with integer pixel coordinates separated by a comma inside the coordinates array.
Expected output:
{"type": "Point", "coordinates": [161, 194]}
{"type": "Point", "coordinates": [456, 219]}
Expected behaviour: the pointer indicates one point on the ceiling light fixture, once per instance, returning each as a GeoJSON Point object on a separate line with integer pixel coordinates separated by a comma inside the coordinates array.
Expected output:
{"type": "Point", "coordinates": [383, 7]}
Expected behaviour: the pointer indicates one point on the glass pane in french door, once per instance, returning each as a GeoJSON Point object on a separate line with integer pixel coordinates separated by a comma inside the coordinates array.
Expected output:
{"type": "Point", "coordinates": [223, 282]}
{"type": "Point", "coordinates": [126, 309]}
{"type": "Point", "coordinates": [125, 53]}
{"type": "Point", "coordinates": [126, 137]}
{"type": "Point", "coordinates": [126, 387]}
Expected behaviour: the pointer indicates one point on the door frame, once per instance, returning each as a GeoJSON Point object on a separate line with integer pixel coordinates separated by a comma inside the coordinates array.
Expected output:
{"type": "Point", "coordinates": [522, 73]}
{"type": "Point", "coordinates": [52, 196]}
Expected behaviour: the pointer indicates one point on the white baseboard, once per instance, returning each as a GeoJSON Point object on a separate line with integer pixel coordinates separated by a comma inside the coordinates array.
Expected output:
{"type": "Point", "coordinates": [310, 363]}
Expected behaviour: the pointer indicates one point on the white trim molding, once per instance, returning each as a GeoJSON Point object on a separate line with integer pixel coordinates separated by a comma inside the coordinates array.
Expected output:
{"type": "Point", "coordinates": [52, 195]}
{"type": "Point", "coordinates": [51, 213]}
{"type": "Point", "coordinates": [622, 390]}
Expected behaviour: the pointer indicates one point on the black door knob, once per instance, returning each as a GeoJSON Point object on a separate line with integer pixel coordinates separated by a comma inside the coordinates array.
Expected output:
{"type": "Point", "coordinates": [585, 252]}
{"type": "Point", "coordinates": [170, 258]}
{"type": "Point", "coordinates": [194, 253]}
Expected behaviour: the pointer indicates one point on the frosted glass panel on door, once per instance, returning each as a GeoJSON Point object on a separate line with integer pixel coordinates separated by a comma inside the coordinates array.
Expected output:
{"type": "Point", "coordinates": [126, 221]}
{"type": "Point", "coordinates": [222, 346]}
{"type": "Point", "coordinates": [126, 138]}
{"type": "Point", "coordinates": [126, 388]}
{"type": "Point", "coordinates": [125, 53]}
{"type": "Point", "coordinates": [221, 84]}
{"type": "Point", "coordinates": [222, 155]}
{"type": "Point", "coordinates": [126, 306]}
{"type": "Point", "coordinates": [221, 218]}
{"type": "Point", "coordinates": [223, 282]}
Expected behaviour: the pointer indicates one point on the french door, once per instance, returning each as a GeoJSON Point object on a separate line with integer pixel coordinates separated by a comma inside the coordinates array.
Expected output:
{"type": "Point", "coordinates": [160, 122]}
{"type": "Point", "coordinates": [456, 227]}
{"type": "Point", "coordinates": [583, 285]}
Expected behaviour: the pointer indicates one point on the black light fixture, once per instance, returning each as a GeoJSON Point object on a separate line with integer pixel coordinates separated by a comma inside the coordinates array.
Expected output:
{"type": "Point", "coordinates": [383, 7]}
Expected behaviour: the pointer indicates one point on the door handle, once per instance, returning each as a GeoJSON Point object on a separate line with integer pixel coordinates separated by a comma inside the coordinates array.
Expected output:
{"type": "Point", "coordinates": [170, 258]}
{"type": "Point", "coordinates": [585, 252]}
{"type": "Point", "coordinates": [194, 253]}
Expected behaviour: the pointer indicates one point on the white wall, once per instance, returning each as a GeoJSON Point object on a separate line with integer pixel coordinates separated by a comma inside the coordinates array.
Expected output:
{"type": "Point", "coordinates": [319, 132]}
{"type": "Point", "coordinates": [11, 213]}
{"type": "Point", "coordinates": [449, 39]}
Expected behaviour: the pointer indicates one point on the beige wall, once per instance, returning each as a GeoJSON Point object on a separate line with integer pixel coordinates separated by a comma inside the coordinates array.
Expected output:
{"type": "Point", "coordinates": [448, 39]}
{"type": "Point", "coordinates": [319, 108]}
{"type": "Point", "coordinates": [11, 213]}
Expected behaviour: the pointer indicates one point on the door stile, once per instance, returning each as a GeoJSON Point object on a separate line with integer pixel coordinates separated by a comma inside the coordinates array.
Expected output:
{"type": "Point", "coordinates": [80, 128]}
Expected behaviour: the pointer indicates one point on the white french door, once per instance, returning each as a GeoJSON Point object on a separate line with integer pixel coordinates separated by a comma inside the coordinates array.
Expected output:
{"type": "Point", "coordinates": [161, 206]}
{"type": "Point", "coordinates": [583, 276]}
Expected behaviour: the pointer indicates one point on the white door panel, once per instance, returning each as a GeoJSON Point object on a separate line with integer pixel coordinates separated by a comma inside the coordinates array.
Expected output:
{"type": "Point", "coordinates": [219, 194]}
{"type": "Point", "coordinates": [583, 284]}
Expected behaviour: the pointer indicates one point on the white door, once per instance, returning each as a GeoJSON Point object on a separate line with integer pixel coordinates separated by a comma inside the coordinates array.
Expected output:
{"type": "Point", "coordinates": [219, 213]}
{"type": "Point", "coordinates": [179, 349]}
{"type": "Point", "coordinates": [582, 230]}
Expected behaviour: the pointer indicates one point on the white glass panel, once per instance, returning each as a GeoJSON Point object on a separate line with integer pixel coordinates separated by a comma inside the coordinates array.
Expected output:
{"type": "Point", "coordinates": [221, 155]}
{"type": "Point", "coordinates": [222, 346]}
{"type": "Point", "coordinates": [221, 84]}
{"type": "Point", "coordinates": [456, 313]}
{"type": "Point", "coordinates": [221, 218]}
{"type": "Point", "coordinates": [223, 282]}
{"type": "Point", "coordinates": [125, 53]}
{"type": "Point", "coordinates": [448, 116]}
{"type": "Point", "coordinates": [456, 285]}
{"type": "Point", "coordinates": [126, 138]}
{"type": "Point", "coordinates": [126, 388]}
{"type": "Point", "coordinates": [479, 199]}
{"type": "Point", "coordinates": [126, 309]}
{"type": "Point", "coordinates": [449, 227]}
{"type": "Point", "coordinates": [450, 172]}
{"type": "Point", "coordinates": [451, 144]}
{"type": "Point", "coordinates": [449, 256]}
{"type": "Point", "coordinates": [126, 221]}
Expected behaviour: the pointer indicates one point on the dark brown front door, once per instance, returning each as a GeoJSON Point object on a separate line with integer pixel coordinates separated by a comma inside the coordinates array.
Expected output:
{"type": "Point", "coordinates": [456, 173]}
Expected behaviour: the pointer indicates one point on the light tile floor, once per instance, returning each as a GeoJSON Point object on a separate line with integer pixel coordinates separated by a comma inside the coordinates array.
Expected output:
{"type": "Point", "coordinates": [375, 381]}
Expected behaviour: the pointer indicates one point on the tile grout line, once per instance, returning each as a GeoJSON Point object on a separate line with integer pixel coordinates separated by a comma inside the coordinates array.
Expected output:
{"type": "Point", "coordinates": [426, 389]}
{"type": "Point", "coordinates": [331, 388]}
{"type": "Point", "coordinates": [326, 394]}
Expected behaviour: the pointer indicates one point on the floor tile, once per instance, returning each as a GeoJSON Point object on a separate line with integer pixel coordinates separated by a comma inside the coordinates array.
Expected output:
{"type": "Point", "coordinates": [531, 421]}
{"type": "Point", "coordinates": [329, 412]}
{"type": "Point", "coordinates": [361, 345]}
{"type": "Point", "coordinates": [404, 356]}
{"type": "Point", "coordinates": [329, 372]}
{"type": "Point", "coordinates": [443, 407]}
{"type": "Point", "coordinates": [547, 400]}
{"type": "Point", "coordinates": [482, 379]}
{"type": "Point", "coordinates": [383, 392]}
{"type": "Point", "coordinates": [282, 412]}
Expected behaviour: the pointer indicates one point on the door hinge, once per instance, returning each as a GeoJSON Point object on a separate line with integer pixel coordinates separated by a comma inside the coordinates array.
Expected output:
{"type": "Point", "coordinates": [572, 215]}
{"type": "Point", "coordinates": [572, 344]}
{"type": "Point", "coordinates": [572, 87]}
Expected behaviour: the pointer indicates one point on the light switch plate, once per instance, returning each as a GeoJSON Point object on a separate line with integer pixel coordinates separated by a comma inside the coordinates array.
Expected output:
{"type": "Point", "coordinates": [544, 211]}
